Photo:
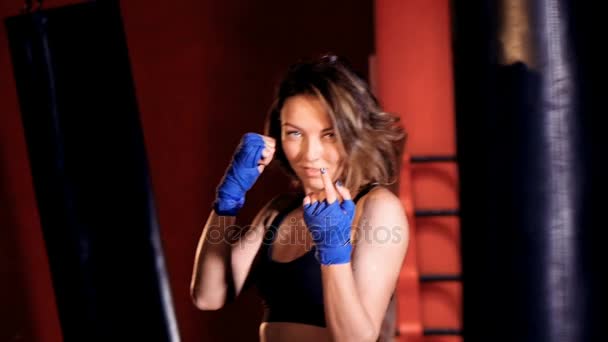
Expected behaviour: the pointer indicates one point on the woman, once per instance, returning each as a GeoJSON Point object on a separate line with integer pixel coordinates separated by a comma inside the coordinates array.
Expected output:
{"type": "Point", "coordinates": [325, 258]}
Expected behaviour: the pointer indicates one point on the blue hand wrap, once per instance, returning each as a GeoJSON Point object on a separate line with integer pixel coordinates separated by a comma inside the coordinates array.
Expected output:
{"type": "Point", "coordinates": [240, 175]}
{"type": "Point", "coordinates": [330, 227]}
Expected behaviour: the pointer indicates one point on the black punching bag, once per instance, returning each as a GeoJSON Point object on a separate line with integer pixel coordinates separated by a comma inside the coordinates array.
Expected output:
{"type": "Point", "coordinates": [532, 181]}
{"type": "Point", "coordinates": [90, 174]}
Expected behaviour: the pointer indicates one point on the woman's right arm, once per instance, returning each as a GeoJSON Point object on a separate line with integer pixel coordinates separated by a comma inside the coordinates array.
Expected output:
{"type": "Point", "coordinates": [208, 287]}
{"type": "Point", "coordinates": [225, 253]}
{"type": "Point", "coordinates": [221, 241]}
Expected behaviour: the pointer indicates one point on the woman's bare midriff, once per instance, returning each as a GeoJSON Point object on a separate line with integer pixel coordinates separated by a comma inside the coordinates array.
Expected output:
{"type": "Point", "coordinates": [292, 332]}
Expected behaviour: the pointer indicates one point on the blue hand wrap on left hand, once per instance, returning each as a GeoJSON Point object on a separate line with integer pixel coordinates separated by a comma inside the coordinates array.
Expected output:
{"type": "Point", "coordinates": [330, 227]}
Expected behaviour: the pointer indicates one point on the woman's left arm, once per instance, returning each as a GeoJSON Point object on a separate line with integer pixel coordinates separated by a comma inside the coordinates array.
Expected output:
{"type": "Point", "coordinates": [357, 294]}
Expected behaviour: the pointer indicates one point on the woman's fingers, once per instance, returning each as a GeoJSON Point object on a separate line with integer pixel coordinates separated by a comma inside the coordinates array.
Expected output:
{"type": "Point", "coordinates": [269, 141]}
{"type": "Point", "coordinates": [343, 191]}
{"type": "Point", "coordinates": [307, 200]}
{"type": "Point", "coordinates": [267, 155]}
{"type": "Point", "coordinates": [330, 191]}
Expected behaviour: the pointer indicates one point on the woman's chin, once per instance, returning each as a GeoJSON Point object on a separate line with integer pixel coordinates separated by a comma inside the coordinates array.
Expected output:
{"type": "Point", "coordinates": [313, 185]}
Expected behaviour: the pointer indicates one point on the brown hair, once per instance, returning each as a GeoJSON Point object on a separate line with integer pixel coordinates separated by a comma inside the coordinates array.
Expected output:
{"type": "Point", "coordinates": [371, 140]}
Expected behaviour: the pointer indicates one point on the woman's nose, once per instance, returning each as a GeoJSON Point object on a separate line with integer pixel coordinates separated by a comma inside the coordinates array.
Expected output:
{"type": "Point", "coordinates": [313, 149]}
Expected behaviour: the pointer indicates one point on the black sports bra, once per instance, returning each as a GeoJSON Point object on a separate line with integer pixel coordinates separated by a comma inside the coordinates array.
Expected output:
{"type": "Point", "coordinates": [292, 291]}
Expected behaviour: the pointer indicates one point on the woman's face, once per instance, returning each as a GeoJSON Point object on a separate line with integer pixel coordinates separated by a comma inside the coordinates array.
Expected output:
{"type": "Point", "coordinates": [309, 140]}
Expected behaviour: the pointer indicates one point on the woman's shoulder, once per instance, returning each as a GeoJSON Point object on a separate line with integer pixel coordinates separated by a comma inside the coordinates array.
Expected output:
{"type": "Point", "coordinates": [377, 194]}
{"type": "Point", "coordinates": [379, 200]}
{"type": "Point", "coordinates": [379, 208]}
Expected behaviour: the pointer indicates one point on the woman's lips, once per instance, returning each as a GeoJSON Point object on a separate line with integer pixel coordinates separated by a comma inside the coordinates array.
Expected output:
{"type": "Point", "coordinates": [312, 172]}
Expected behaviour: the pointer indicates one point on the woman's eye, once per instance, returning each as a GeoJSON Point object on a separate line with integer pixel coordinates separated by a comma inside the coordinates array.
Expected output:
{"type": "Point", "coordinates": [330, 135]}
{"type": "Point", "coordinates": [294, 133]}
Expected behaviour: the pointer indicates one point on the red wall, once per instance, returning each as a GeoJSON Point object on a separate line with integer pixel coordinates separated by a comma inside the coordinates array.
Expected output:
{"type": "Point", "coordinates": [204, 74]}
{"type": "Point", "coordinates": [414, 78]}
